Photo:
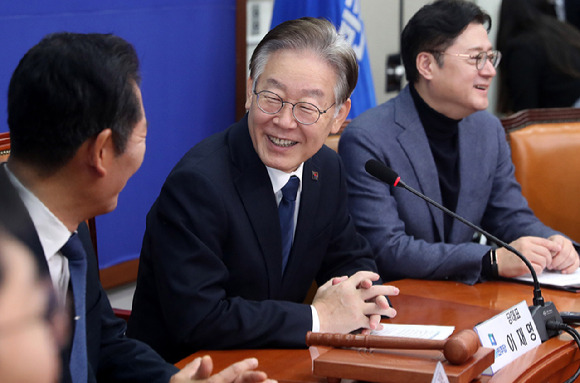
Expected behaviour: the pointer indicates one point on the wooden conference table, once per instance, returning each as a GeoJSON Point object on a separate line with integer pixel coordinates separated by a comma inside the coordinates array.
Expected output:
{"type": "Point", "coordinates": [441, 303]}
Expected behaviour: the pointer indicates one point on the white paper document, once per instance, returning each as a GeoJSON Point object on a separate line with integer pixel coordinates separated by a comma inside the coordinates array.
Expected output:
{"type": "Point", "coordinates": [415, 331]}
{"type": "Point", "coordinates": [555, 278]}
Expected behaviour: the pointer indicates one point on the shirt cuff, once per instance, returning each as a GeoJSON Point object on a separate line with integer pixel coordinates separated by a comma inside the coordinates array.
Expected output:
{"type": "Point", "coordinates": [315, 320]}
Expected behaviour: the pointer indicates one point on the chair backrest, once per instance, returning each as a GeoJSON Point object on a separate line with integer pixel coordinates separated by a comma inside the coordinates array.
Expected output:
{"type": "Point", "coordinates": [332, 139]}
{"type": "Point", "coordinates": [4, 146]}
{"type": "Point", "coordinates": [545, 145]}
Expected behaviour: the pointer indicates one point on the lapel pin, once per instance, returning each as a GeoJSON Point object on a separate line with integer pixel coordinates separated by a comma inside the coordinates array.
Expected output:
{"type": "Point", "coordinates": [314, 176]}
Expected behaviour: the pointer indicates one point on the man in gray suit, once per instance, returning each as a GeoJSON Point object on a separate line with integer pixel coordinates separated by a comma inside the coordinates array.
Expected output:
{"type": "Point", "coordinates": [437, 135]}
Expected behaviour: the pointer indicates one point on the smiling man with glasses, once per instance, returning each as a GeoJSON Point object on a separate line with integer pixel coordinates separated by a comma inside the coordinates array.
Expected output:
{"type": "Point", "coordinates": [251, 216]}
{"type": "Point", "coordinates": [437, 135]}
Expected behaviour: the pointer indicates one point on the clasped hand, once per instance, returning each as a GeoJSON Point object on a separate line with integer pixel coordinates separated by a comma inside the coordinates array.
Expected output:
{"type": "Point", "coordinates": [346, 304]}
{"type": "Point", "coordinates": [555, 253]}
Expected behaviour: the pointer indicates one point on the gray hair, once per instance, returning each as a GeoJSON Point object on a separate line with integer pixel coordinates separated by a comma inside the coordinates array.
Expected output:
{"type": "Point", "coordinates": [319, 36]}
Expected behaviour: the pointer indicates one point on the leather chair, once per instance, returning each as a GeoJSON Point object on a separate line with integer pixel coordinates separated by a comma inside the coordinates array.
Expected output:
{"type": "Point", "coordinates": [332, 139]}
{"type": "Point", "coordinates": [4, 146]}
{"type": "Point", "coordinates": [545, 146]}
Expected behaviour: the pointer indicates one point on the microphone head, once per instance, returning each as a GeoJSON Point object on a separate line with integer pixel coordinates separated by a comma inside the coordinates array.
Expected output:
{"type": "Point", "coordinates": [382, 172]}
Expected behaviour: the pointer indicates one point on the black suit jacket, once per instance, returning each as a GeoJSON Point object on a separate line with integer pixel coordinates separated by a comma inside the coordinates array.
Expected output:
{"type": "Point", "coordinates": [210, 272]}
{"type": "Point", "coordinates": [112, 356]}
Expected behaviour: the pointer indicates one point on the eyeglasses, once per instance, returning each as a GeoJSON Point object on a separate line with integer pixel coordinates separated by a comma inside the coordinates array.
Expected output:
{"type": "Point", "coordinates": [480, 58]}
{"type": "Point", "coordinates": [303, 112]}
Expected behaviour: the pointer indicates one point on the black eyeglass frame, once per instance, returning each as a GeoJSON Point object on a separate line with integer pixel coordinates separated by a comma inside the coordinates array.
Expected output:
{"type": "Point", "coordinates": [282, 102]}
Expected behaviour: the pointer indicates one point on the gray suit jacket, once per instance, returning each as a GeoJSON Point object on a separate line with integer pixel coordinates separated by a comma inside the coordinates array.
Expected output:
{"type": "Point", "coordinates": [405, 232]}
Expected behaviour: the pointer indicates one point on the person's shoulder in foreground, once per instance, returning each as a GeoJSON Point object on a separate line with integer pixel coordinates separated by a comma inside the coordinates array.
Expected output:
{"type": "Point", "coordinates": [31, 325]}
{"type": "Point", "coordinates": [77, 129]}
{"type": "Point", "coordinates": [213, 270]}
{"type": "Point", "coordinates": [437, 135]}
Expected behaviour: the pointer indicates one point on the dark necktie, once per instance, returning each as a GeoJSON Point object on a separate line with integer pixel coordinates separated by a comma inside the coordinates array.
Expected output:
{"type": "Point", "coordinates": [286, 214]}
{"type": "Point", "coordinates": [77, 264]}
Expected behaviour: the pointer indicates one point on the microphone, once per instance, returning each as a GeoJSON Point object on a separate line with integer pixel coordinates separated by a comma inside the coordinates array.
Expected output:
{"type": "Point", "coordinates": [542, 312]}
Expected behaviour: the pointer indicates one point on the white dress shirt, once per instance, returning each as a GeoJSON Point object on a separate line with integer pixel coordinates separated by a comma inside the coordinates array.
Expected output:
{"type": "Point", "coordinates": [53, 235]}
{"type": "Point", "coordinates": [279, 179]}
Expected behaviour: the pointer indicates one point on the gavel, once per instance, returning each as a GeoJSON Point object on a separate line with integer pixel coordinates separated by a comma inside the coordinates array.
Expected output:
{"type": "Point", "coordinates": [457, 349]}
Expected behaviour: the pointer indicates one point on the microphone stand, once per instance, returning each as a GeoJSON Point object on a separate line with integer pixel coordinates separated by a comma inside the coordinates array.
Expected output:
{"type": "Point", "coordinates": [542, 312]}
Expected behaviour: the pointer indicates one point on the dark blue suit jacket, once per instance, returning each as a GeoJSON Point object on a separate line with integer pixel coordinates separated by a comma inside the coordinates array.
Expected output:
{"type": "Point", "coordinates": [210, 268]}
{"type": "Point", "coordinates": [112, 356]}
{"type": "Point", "coordinates": [404, 231]}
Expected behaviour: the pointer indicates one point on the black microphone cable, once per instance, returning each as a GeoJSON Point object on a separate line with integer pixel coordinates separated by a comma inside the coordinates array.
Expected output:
{"type": "Point", "coordinates": [541, 311]}
{"type": "Point", "coordinates": [559, 326]}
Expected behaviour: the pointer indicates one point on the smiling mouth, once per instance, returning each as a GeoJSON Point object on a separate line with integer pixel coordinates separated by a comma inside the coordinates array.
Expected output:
{"type": "Point", "coordinates": [481, 87]}
{"type": "Point", "coordinates": [281, 142]}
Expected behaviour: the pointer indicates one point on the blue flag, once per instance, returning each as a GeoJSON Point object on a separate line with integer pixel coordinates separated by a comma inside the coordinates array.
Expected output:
{"type": "Point", "coordinates": [345, 15]}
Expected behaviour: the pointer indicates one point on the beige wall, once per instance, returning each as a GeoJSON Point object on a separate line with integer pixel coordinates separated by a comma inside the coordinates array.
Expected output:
{"type": "Point", "coordinates": [381, 20]}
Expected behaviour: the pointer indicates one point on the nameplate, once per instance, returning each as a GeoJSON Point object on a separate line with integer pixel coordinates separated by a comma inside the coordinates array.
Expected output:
{"type": "Point", "coordinates": [511, 333]}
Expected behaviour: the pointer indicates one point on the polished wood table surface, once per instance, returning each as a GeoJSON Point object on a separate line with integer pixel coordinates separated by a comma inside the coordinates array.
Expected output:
{"type": "Point", "coordinates": [441, 303]}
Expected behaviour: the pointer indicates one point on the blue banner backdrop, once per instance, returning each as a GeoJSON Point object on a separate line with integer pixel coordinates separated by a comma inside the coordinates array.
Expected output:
{"type": "Point", "coordinates": [345, 15]}
{"type": "Point", "coordinates": [187, 52]}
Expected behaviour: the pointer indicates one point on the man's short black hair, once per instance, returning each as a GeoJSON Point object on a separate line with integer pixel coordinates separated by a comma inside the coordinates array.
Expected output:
{"type": "Point", "coordinates": [68, 88]}
{"type": "Point", "coordinates": [434, 28]}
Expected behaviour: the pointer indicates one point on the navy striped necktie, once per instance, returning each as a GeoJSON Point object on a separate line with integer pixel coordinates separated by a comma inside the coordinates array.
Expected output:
{"type": "Point", "coordinates": [286, 214]}
{"type": "Point", "coordinates": [77, 263]}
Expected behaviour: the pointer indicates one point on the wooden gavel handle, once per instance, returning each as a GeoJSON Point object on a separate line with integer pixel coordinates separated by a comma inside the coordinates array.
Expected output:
{"type": "Point", "coordinates": [372, 341]}
{"type": "Point", "coordinates": [457, 349]}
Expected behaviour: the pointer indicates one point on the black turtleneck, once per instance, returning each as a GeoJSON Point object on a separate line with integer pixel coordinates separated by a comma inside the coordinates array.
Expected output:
{"type": "Point", "coordinates": [441, 132]}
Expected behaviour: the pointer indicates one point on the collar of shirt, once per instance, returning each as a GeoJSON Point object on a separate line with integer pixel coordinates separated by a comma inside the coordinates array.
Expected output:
{"type": "Point", "coordinates": [53, 234]}
{"type": "Point", "coordinates": [280, 178]}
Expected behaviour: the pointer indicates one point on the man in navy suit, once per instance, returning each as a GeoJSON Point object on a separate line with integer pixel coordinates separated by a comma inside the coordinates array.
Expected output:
{"type": "Point", "coordinates": [212, 274]}
{"type": "Point", "coordinates": [438, 137]}
{"type": "Point", "coordinates": [77, 129]}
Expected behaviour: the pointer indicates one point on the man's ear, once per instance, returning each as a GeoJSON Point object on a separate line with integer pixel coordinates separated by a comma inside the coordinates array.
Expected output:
{"type": "Point", "coordinates": [102, 152]}
{"type": "Point", "coordinates": [341, 117]}
{"type": "Point", "coordinates": [425, 62]}
{"type": "Point", "coordinates": [249, 93]}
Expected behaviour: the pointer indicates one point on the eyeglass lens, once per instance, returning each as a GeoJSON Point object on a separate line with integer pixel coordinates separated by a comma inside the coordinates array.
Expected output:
{"type": "Point", "coordinates": [303, 112]}
{"type": "Point", "coordinates": [484, 56]}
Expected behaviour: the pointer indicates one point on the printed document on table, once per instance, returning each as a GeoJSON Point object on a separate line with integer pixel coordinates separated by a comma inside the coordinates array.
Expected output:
{"type": "Point", "coordinates": [556, 279]}
{"type": "Point", "coordinates": [415, 331]}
